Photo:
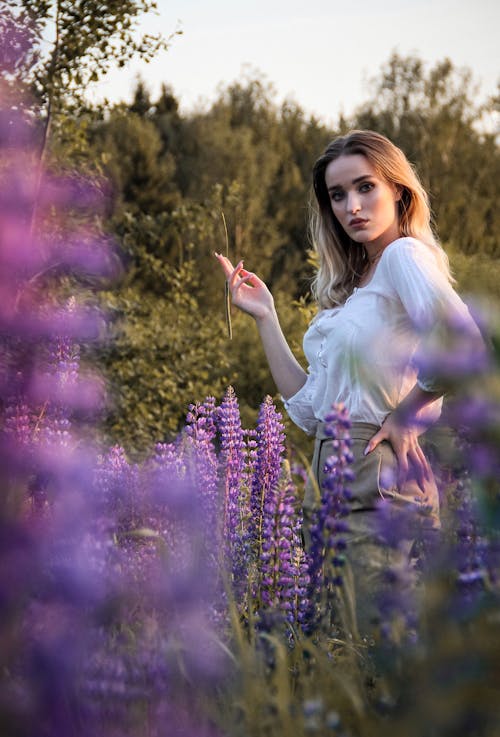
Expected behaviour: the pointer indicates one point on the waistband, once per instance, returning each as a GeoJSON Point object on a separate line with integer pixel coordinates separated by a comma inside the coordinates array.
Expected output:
{"type": "Point", "coordinates": [357, 431]}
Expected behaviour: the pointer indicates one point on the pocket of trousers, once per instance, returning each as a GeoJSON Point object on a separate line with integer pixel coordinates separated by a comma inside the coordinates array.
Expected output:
{"type": "Point", "coordinates": [410, 492]}
{"type": "Point", "coordinates": [374, 474]}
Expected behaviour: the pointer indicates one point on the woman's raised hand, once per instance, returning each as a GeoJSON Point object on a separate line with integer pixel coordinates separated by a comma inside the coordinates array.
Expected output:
{"type": "Point", "coordinates": [248, 292]}
{"type": "Point", "coordinates": [251, 295]}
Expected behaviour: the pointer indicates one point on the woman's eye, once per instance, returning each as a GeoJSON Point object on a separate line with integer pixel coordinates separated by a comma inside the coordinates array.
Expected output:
{"type": "Point", "coordinates": [336, 196]}
{"type": "Point", "coordinates": [366, 187]}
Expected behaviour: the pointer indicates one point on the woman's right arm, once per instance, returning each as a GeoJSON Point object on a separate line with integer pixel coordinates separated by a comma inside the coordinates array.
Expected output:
{"type": "Point", "coordinates": [250, 294]}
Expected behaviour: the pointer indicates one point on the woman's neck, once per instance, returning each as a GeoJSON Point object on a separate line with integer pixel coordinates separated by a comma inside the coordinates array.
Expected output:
{"type": "Point", "coordinates": [372, 259]}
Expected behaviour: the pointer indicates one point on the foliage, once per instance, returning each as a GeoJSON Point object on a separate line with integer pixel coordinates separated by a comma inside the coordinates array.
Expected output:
{"type": "Point", "coordinates": [130, 155]}
{"type": "Point", "coordinates": [162, 355]}
{"type": "Point", "coordinates": [477, 276]}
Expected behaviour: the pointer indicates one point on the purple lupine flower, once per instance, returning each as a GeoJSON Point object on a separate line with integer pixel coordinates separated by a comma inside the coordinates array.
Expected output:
{"type": "Point", "coordinates": [64, 356]}
{"type": "Point", "coordinates": [186, 589]}
{"type": "Point", "coordinates": [165, 469]}
{"type": "Point", "coordinates": [469, 554]}
{"type": "Point", "coordinates": [168, 456]}
{"type": "Point", "coordinates": [283, 570]}
{"type": "Point", "coordinates": [202, 464]}
{"type": "Point", "coordinates": [476, 419]}
{"type": "Point", "coordinates": [19, 421]}
{"type": "Point", "coordinates": [329, 526]}
{"type": "Point", "coordinates": [115, 677]}
{"type": "Point", "coordinates": [454, 351]}
{"type": "Point", "coordinates": [235, 506]}
{"type": "Point", "coordinates": [58, 600]}
{"type": "Point", "coordinates": [165, 587]}
{"type": "Point", "coordinates": [299, 470]}
{"type": "Point", "coordinates": [250, 458]}
{"type": "Point", "coordinates": [55, 426]}
{"type": "Point", "coordinates": [116, 482]}
{"type": "Point", "coordinates": [269, 453]}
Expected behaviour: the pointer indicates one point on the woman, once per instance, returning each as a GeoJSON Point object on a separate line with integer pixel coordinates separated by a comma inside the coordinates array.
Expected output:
{"type": "Point", "coordinates": [383, 289]}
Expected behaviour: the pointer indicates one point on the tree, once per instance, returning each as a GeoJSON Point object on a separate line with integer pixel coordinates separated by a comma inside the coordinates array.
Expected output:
{"type": "Point", "coordinates": [434, 117]}
{"type": "Point", "coordinates": [131, 153]}
{"type": "Point", "coordinates": [106, 36]}
{"type": "Point", "coordinates": [168, 121]}
{"type": "Point", "coordinates": [141, 102]}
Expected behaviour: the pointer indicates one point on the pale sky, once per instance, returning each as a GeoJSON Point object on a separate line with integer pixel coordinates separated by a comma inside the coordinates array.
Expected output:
{"type": "Point", "coordinates": [321, 53]}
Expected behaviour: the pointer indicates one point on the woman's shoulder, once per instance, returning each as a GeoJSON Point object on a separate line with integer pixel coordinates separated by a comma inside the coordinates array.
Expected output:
{"type": "Point", "coordinates": [408, 253]}
{"type": "Point", "coordinates": [412, 265]}
{"type": "Point", "coordinates": [407, 247]}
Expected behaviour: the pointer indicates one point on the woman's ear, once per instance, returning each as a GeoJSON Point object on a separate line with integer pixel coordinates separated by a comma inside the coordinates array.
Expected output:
{"type": "Point", "coordinates": [398, 191]}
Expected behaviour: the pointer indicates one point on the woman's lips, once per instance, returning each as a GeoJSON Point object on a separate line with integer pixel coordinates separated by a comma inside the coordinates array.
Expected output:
{"type": "Point", "coordinates": [357, 223]}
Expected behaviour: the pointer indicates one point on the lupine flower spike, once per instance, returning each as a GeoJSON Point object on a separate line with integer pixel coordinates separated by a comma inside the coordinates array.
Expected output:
{"type": "Point", "coordinates": [283, 571]}
{"type": "Point", "coordinates": [269, 454]}
{"type": "Point", "coordinates": [330, 525]}
{"type": "Point", "coordinates": [235, 512]}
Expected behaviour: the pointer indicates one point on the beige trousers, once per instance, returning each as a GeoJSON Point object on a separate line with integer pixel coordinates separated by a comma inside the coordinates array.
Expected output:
{"type": "Point", "coordinates": [374, 474]}
{"type": "Point", "coordinates": [375, 479]}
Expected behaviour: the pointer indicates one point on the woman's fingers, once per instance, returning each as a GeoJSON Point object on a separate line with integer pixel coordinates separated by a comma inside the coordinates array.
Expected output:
{"type": "Point", "coordinates": [226, 264]}
{"type": "Point", "coordinates": [424, 463]}
{"type": "Point", "coordinates": [245, 279]}
{"type": "Point", "coordinates": [224, 261]}
{"type": "Point", "coordinates": [234, 275]}
{"type": "Point", "coordinates": [251, 278]}
{"type": "Point", "coordinates": [421, 468]}
{"type": "Point", "coordinates": [375, 440]}
{"type": "Point", "coordinates": [240, 277]}
{"type": "Point", "coordinates": [233, 272]}
{"type": "Point", "coordinates": [403, 466]}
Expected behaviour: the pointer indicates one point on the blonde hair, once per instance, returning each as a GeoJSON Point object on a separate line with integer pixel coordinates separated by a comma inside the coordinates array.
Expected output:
{"type": "Point", "coordinates": [341, 261]}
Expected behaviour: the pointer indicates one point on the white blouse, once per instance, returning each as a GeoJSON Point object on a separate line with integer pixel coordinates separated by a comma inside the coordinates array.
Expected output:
{"type": "Point", "coordinates": [362, 353]}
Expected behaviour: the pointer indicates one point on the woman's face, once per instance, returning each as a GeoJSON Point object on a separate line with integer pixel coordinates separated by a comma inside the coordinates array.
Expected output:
{"type": "Point", "coordinates": [363, 202]}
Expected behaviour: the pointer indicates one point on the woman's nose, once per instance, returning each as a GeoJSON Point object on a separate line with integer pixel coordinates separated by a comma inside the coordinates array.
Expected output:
{"type": "Point", "coordinates": [352, 202]}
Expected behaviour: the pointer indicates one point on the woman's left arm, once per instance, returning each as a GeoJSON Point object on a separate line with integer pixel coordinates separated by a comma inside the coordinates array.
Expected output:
{"type": "Point", "coordinates": [430, 304]}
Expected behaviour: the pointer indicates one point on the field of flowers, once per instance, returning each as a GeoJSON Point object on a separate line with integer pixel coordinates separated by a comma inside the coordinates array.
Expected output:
{"type": "Point", "coordinates": [175, 598]}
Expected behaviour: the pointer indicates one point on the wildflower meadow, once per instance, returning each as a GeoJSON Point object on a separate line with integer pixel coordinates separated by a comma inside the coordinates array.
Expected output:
{"type": "Point", "coordinates": [174, 596]}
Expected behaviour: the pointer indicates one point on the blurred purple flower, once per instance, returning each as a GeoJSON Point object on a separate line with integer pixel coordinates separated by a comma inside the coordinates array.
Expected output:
{"type": "Point", "coordinates": [90, 575]}
{"type": "Point", "coordinates": [454, 351]}
{"type": "Point", "coordinates": [329, 524]}
{"type": "Point", "coordinates": [202, 466]}
{"type": "Point", "coordinates": [396, 528]}
{"type": "Point", "coordinates": [116, 482]}
{"type": "Point", "coordinates": [469, 555]}
{"type": "Point", "coordinates": [19, 422]}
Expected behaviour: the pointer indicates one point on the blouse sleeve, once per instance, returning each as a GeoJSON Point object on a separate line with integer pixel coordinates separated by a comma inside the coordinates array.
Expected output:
{"type": "Point", "coordinates": [422, 286]}
{"type": "Point", "coordinates": [299, 406]}
{"type": "Point", "coordinates": [432, 306]}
